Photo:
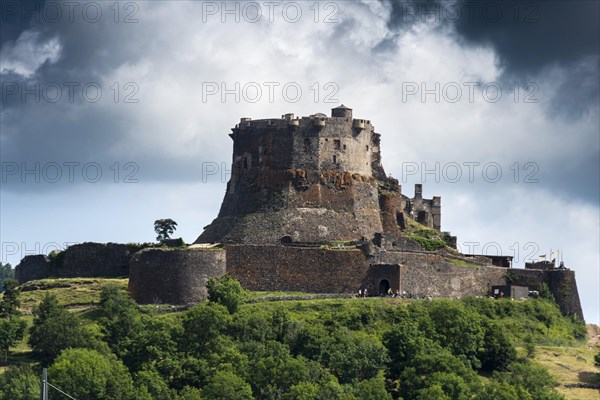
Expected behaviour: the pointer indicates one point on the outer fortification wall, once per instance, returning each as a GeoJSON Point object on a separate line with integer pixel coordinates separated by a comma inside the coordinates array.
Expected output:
{"type": "Point", "coordinates": [86, 260]}
{"type": "Point", "coordinates": [173, 276]}
{"type": "Point", "coordinates": [561, 282]}
{"type": "Point", "coordinates": [446, 280]}
{"type": "Point", "coordinates": [290, 268]}
{"type": "Point", "coordinates": [176, 276]}
{"type": "Point", "coordinates": [33, 267]}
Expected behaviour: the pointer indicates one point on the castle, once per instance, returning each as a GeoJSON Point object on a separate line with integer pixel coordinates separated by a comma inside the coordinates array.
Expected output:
{"type": "Point", "coordinates": [312, 179]}
{"type": "Point", "coordinates": [309, 208]}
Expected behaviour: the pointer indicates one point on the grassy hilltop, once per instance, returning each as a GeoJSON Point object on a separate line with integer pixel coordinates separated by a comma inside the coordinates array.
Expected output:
{"type": "Point", "coordinates": [241, 346]}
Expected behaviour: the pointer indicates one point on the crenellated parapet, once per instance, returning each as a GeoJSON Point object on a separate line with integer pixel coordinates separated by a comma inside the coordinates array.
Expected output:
{"type": "Point", "coordinates": [315, 142]}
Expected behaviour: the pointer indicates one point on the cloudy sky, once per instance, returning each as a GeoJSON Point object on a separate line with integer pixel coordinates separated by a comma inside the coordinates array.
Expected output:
{"type": "Point", "coordinates": [116, 115]}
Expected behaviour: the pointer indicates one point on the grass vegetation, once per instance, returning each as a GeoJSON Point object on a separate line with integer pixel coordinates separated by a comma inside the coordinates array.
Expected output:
{"type": "Point", "coordinates": [76, 293]}
{"type": "Point", "coordinates": [429, 239]}
{"type": "Point", "coordinates": [462, 263]}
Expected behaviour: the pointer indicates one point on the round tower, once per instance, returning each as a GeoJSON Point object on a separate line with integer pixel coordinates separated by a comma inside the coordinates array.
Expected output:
{"type": "Point", "coordinates": [342, 112]}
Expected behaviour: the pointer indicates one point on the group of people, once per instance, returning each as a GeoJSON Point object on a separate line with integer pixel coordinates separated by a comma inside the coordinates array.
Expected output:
{"type": "Point", "coordinates": [397, 293]}
{"type": "Point", "coordinates": [394, 294]}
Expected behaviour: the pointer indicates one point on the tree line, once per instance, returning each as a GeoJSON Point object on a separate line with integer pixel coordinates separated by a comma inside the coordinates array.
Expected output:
{"type": "Point", "coordinates": [297, 350]}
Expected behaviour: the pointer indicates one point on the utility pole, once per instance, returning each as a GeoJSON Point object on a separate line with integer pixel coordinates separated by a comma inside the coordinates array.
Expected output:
{"type": "Point", "coordinates": [44, 394]}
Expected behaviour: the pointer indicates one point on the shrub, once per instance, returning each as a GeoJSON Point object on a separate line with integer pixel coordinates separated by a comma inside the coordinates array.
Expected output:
{"type": "Point", "coordinates": [545, 292]}
{"type": "Point", "coordinates": [226, 291]}
{"type": "Point", "coordinates": [428, 244]}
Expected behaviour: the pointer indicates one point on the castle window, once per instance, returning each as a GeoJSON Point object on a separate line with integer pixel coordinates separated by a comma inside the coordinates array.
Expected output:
{"type": "Point", "coordinates": [367, 147]}
{"type": "Point", "coordinates": [337, 144]}
{"type": "Point", "coordinates": [334, 159]}
{"type": "Point", "coordinates": [307, 145]}
{"type": "Point", "coordinates": [245, 163]}
{"type": "Point", "coordinates": [344, 147]}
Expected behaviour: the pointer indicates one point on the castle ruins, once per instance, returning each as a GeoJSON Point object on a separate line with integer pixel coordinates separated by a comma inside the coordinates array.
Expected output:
{"type": "Point", "coordinates": [310, 208]}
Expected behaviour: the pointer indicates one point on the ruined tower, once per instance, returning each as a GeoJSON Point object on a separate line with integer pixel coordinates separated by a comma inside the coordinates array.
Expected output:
{"type": "Point", "coordinates": [309, 179]}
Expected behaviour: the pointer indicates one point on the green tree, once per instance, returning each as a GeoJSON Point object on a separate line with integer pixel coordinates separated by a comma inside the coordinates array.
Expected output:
{"type": "Point", "coordinates": [202, 325]}
{"type": "Point", "coordinates": [372, 389]}
{"type": "Point", "coordinates": [164, 228]}
{"type": "Point", "coordinates": [6, 272]}
{"type": "Point", "coordinates": [497, 352]}
{"type": "Point", "coordinates": [458, 328]}
{"type": "Point", "coordinates": [119, 318]}
{"type": "Point", "coordinates": [19, 383]}
{"type": "Point", "coordinates": [12, 330]}
{"type": "Point", "coordinates": [437, 367]}
{"type": "Point", "coordinates": [9, 305]}
{"type": "Point", "coordinates": [597, 359]}
{"type": "Point", "coordinates": [499, 391]}
{"type": "Point", "coordinates": [226, 291]}
{"type": "Point", "coordinates": [88, 375]}
{"type": "Point", "coordinates": [326, 389]}
{"type": "Point", "coordinates": [225, 385]}
{"type": "Point", "coordinates": [55, 329]}
{"type": "Point", "coordinates": [190, 393]}
{"type": "Point", "coordinates": [354, 356]}
{"type": "Point", "coordinates": [274, 370]}
{"type": "Point", "coordinates": [156, 340]}
{"type": "Point", "coordinates": [531, 378]}
{"type": "Point", "coordinates": [403, 342]}
{"type": "Point", "coordinates": [155, 385]}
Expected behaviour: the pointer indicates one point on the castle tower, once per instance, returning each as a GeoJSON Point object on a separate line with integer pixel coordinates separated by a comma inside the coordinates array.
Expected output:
{"type": "Point", "coordinates": [342, 112]}
{"type": "Point", "coordinates": [312, 179]}
{"type": "Point", "coordinates": [309, 179]}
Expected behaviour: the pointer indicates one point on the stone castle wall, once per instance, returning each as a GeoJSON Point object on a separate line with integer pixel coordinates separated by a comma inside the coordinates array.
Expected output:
{"type": "Point", "coordinates": [290, 268]}
{"type": "Point", "coordinates": [561, 282]}
{"type": "Point", "coordinates": [173, 276]}
{"type": "Point", "coordinates": [176, 276]}
{"type": "Point", "coordinates": [442, 279]}
{"type": "Point", "coordinates": [32, 268]}
{"type": "Point", "coordinates": [93, 260]}
{"type": "Point", "coordinates": [85, 260]}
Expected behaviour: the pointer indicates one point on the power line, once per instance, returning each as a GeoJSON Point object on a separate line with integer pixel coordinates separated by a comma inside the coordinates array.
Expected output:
{"type": "Point", "coordinates": [45, 384]}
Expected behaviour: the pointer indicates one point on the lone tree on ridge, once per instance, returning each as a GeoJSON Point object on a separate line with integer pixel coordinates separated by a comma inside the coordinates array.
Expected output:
{"type": "Point", "coordinates": [164, 228]}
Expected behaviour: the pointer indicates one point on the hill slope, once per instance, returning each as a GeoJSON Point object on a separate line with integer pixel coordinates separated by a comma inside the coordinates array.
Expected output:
{"type": "Point", "coordinates": [355, 322]}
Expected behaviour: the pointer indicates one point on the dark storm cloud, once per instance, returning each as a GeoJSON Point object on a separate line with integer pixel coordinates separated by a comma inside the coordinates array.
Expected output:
{"type": "Point", "coordinates": [554, 43]}
{"type": "Point", "coordinates": [15, 17]}
{"type": "Point", "coordinates": [527, 36]}
{"type": "Point", "coordinates": [74, 129]}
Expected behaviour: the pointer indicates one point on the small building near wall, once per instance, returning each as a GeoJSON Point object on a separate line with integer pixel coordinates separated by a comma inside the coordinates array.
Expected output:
{"type": "Point", "coordinates": [510, 291]}
{"type": "Point", "coordinates": [545, 265]}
